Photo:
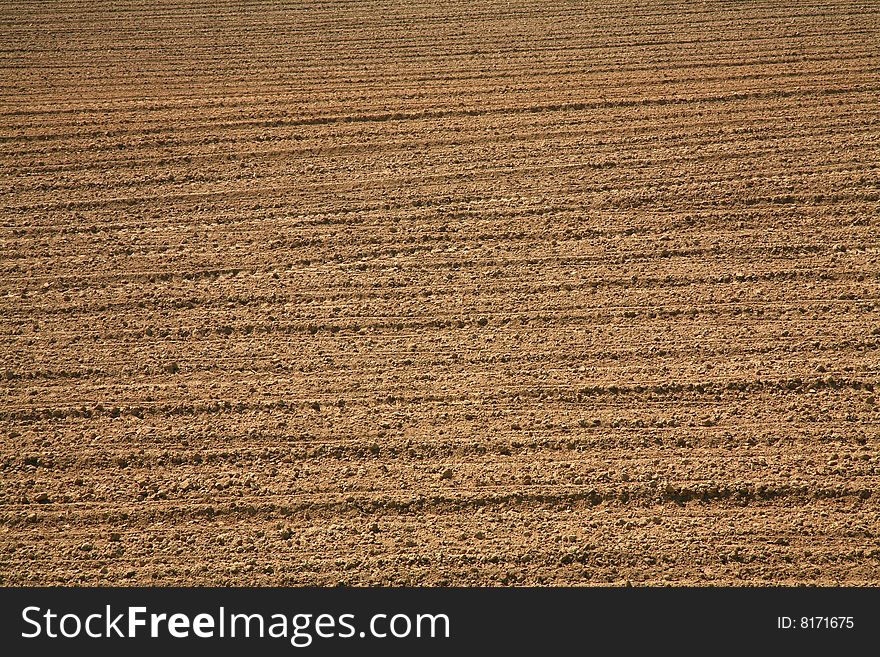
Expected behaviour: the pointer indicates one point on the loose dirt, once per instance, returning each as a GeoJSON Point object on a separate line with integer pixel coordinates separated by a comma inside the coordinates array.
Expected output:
{"type": "Point", "coordinates": [390, 293]}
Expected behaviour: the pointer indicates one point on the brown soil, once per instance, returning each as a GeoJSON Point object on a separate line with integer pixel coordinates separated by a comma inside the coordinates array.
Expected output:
{"type": "Point", "coordinates": [439, 293]}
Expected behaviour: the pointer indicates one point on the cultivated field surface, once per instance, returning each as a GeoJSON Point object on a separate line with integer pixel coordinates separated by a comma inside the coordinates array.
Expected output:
{"type": "Point", "coordinates": [439, 293]}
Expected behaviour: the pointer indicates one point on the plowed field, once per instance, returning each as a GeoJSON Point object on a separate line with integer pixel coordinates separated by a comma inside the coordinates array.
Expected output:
{"type": "Point", "coordinates": [439, 293]}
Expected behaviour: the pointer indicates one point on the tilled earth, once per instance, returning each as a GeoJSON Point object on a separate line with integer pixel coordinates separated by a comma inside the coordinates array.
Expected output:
{"type": "Point", "coordinates": [458, 293]}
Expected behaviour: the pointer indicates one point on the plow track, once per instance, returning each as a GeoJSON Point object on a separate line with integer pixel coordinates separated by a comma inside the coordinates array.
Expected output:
{"type": "Point", "coordinates": [462, 293]}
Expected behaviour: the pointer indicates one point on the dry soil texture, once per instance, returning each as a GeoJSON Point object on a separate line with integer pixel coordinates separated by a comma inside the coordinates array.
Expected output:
{"type": "Point", "coordinates": [455, 292]}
